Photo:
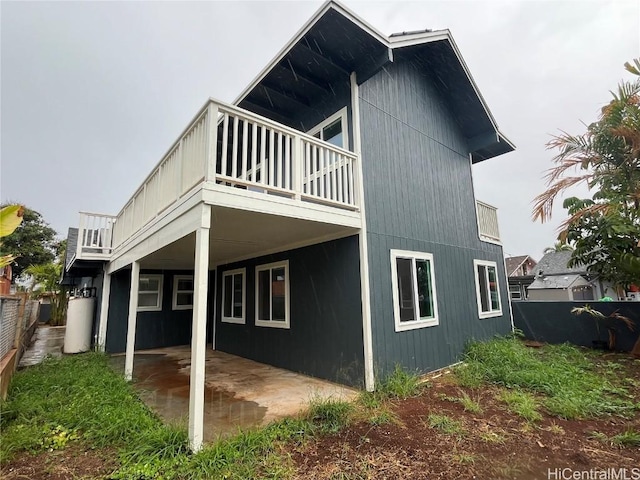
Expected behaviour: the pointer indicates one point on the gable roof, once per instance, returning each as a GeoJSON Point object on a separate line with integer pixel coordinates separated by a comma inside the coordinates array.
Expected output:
{"type": "Point", "coordinates": [513, 263]}
{"type": "Point", "coordinates": [335, 42]}
{"type": "Point", "coordinates": [555, 263]}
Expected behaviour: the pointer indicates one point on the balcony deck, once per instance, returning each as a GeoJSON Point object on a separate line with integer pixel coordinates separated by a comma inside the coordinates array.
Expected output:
{"type": "Point", "coordinates": [234, 159]}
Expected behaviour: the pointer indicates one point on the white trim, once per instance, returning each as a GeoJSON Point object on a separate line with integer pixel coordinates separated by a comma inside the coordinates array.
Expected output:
{"type": "Point", "coordinates": [174, 303]}
{"type": "Point", "coordinates": [339, 115]}
{"type": "Point", "coordinates": [232, 319]}
{"type": "Point", "coordinates": [365, 287]}
{"type": "Point", "coordinates": [287, 297]}
{"type": "Point", "coordinates": [158, 306]}
{"type": "Point", "coordinates": [104, 309]}
{"type": "Point", "coordinates": [199, 335]}
{"type": "Point", "coordinates": [423, 322]}
{"type": "Point", "coordinates": [490, 313]}
{"type": "Point", "coordinates": [131, 321]}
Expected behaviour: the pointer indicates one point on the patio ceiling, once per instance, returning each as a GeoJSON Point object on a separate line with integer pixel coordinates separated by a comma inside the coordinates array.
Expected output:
{"type": "Point", "coordinates": [239, 234]}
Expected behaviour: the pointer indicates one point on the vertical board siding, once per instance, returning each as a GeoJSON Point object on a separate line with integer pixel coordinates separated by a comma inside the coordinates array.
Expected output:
{"type": "Point", "coordinates": [419, 197]}
{"type": "Point", "coordinates": [325, 338]}
{"type": "Point", "coordinates": [163, 328]}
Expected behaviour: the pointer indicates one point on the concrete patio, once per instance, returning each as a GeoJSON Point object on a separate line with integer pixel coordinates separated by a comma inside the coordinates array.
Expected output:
{"type": "Point", "coordinates": [239, 393]}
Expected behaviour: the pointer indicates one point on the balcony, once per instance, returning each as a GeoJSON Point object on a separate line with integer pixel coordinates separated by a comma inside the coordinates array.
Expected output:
{"type": "Point", "coordinates": [488, 222]}
{"type": "Point", "coordinates": [229, 148]}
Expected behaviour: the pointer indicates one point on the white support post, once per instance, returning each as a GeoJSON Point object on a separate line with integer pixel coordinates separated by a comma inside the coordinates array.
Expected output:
{"type": "Point", "coordinates": [133, 315]}
{"type": "Point", "coordinates": [104, 310]}
{"type": "Point", "coordinates": [199, 334]}
{"type": "Point", "coordinates": [369, 378]}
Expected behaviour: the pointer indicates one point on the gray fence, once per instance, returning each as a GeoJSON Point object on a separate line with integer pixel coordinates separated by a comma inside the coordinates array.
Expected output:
{"type": "Point", "coordinates": [553, 322]}
{"type": "Point", "coordinates": [16, 312]}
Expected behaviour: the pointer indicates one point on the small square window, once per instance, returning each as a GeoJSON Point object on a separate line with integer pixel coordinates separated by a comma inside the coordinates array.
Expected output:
{"type": "Point", "coordinates": [233, 296]}
{"type": "Point", "coordinates": [487, 289]}
{"type": "Point", "coordinates": [149, 293]}
{"type": "Point", "coordinates": [414, 290]}
{"type": "Point", "coordinates": [183, 292]}
{"type": "Point", "coordinates": [272, 295]}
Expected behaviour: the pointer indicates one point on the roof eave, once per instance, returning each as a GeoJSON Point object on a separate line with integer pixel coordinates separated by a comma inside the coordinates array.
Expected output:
{"type": "Point", "coordinates": [324, 8]}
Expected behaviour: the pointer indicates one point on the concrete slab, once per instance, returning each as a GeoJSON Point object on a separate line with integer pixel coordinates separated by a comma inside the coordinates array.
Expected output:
{"type": "Point", "coordinates": [47, 340]}
{"type": "Point", "coordinates": [239, 393]}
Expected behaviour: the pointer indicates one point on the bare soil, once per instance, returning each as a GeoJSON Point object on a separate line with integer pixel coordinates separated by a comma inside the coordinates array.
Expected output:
{"type": "Point", "coordinates": [493, 444]}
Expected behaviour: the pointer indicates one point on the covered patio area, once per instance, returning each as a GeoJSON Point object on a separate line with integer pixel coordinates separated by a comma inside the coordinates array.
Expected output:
{"type": "Point", "coordinates": [239, 392]}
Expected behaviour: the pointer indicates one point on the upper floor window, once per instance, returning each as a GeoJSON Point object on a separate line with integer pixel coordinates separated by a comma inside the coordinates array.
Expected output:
{"type": "Point", "coordinates": [272, 295]}
{"type": "Point", "coordinates": [333, 130]}
{"type": "Point", "coordinates": [150, 293]}
{"type": "Point", "coordinates": [233, 296]}
{"type": "Point", "coordinates": [182, 292]}
{"type": "Point", "coordinates": [487, 289]}
{"type": "Point", "coordinates": [414, 290]}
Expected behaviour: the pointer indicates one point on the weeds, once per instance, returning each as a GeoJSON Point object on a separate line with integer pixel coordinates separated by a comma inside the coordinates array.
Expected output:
{"type": "Point", "coordinates": [562, 373]}
{"type": "Point", "coordinates": [399, 384]}
{"type": "Point", "coordinates": [521, 403]}
{"type": "Point", "coordinates": [445, 424]}
{"type": "Point", "coordinates": [628, 438]}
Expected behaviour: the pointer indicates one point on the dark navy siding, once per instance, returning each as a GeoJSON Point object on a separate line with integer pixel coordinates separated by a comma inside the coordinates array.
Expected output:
{"type": "Point", "coordinates": [164, 328]}
{"type": "Point", "coordinates": [325, 338]}
{"type": "Point", "coordinates": [419, 197]}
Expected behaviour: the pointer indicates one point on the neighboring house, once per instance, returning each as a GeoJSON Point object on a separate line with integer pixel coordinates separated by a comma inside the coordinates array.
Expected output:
{"type": "Point", "coordinates": [520, 273]}
{"type": "Point", "coordinates": [555, 281]}
{"type": "Point", "coordinates": [325, 222]}
{"type": "Point", "coordinates": [5, 280]}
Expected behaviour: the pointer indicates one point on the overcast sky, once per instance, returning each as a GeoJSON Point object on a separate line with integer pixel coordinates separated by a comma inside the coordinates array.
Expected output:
{"type": "Point", "coordinates": [92, 94]}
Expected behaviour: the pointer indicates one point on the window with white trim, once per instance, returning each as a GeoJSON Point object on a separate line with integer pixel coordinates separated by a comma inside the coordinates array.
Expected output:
{"type": "Point", "coordinates": [414, 290]}
{"type": "Point", "coordinates": [272, 295]}
{"type": "Point", "coordinates": [487, 288]}
{"type": "Point", "coordinates": [182, 292]}
{"type": "Point", "coordinates": [150, 292]}
{"type": "Point", "coordinates": [233, 296]}
{"type": "Point", "coordinates": [333, 130]}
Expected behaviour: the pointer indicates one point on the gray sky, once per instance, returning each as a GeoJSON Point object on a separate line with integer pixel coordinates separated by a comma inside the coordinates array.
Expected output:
{"type": "Point", "coordinates": [92, 94]}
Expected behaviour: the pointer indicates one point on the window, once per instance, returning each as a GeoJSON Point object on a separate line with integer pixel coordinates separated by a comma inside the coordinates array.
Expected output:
{"type": "Point", "coordinates": [150, 293]}
{"type": "Point", "coordinates": [487, 289]}
{"type": "Point", "coordinates": [414, 290]}
{"type": "Point", "coordinates": [333, 130]}
{"type": "Point", "coordinates": [272, 295]}
{"type": "Point", "coordinates": [233, 296]}
{"type": "Point", "coordinates": [183, 292]}
{"type": "Point", "coordinates": [515, 292]}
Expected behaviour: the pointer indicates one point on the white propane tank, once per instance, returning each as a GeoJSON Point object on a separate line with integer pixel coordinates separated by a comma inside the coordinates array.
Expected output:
{"type": "Point", "coordinates": [77, 336]}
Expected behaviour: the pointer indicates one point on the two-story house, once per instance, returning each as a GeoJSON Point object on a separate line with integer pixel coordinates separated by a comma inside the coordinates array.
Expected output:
{"type": "Point", "coordinates": [324, 222]}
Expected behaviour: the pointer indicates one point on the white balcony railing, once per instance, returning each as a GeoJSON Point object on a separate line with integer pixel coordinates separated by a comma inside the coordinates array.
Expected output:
{"type": "Point", "coordinates": [229, 146]}
{"type": "Point", "coordinates": [487, 222]}
{"type": "Point", "coordinates": [95, 236]}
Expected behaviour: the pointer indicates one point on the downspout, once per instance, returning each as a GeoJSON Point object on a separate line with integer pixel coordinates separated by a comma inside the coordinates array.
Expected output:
{"type": "Point", "coordinates": [369, 378]}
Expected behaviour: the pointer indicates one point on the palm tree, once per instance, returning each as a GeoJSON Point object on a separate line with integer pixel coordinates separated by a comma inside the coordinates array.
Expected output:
{"type": "Point", "coordinates": [558, 247]}
{"type": "Point", "coordinates": [48, 277]}
{"type": "Point", "coordinates": [607, 156]}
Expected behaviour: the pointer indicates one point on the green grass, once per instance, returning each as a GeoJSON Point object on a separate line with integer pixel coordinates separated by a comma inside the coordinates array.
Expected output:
{"type": "Point", "coordinates": [445, 424]}
{"type": "Point", "coordinates": [521, 403]}
{"type": "Point", "coordinates": [628, 438]}
{"type": "Point", "coordinates": [399, 384]}
{"type": "Point", "coordinates": [570, 385]}
{"type": "Point", "coordinates": [78, 394]}
{"type": "Point", "coordinates": [81, 399]}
